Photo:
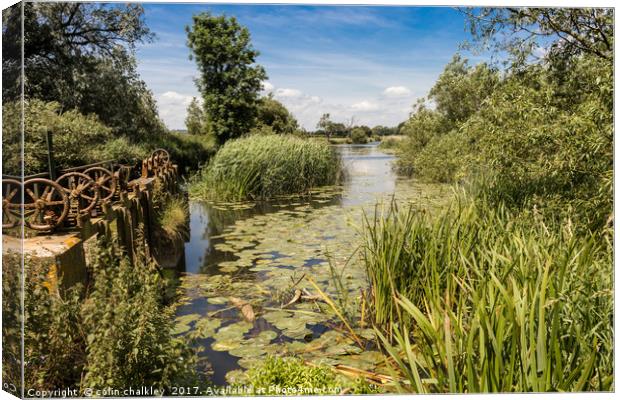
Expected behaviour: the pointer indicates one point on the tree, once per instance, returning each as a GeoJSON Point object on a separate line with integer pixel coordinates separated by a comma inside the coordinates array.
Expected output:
{"type": "Point", "coordinates": [194, 122]}
{"type": "Point", "coordinates": [81, 55]}
{"type": "Point", "coordinates": [358, 135]}
{"type": "Point", "coordinates": [561, 32]}
{"type": "Point", "coordinates": [272, 113]}
{"type": "Point", "coordinates": [325, 124]}
{"type": "Point", "coordinates": [230, 81]}
{"type": "Point", "coordinates": [461, 89]}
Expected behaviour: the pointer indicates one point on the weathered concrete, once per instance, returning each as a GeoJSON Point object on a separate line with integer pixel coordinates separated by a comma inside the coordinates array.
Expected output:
{"type": "Point", "coordinates": [71, 252]}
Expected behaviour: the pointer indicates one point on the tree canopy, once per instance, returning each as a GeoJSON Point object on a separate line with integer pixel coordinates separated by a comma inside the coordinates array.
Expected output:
{"type": "Point", "coordinates": [230, 80]}
{"type": "Point", "coordinates": [81, 56]}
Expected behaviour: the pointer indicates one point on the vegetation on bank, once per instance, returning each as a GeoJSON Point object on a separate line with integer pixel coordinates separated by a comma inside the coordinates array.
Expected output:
{"type": "Point", "coordinates": [265, 166]}
{"type": "Point", "coordinates": [510, 289]}
{"type": "Point", "coordinates": [68, 337]}
{"type": "Point", "coordinates": [480, 299]}
{"type": "Point", "coordinates": [540, 134]}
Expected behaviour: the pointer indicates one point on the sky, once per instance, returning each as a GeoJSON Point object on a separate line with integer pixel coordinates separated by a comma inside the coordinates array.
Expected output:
{"type": "Point", "coordinates": [363, 63]}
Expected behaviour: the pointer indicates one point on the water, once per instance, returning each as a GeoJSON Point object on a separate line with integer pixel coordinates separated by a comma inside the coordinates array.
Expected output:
{"type": "Point", "coordinates": [256, 252]}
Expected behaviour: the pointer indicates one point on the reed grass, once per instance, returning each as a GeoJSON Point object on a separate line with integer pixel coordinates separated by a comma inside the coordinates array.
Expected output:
{"type": "Point", "coordinates": [477, 299]}
{"type": "Point", "coordinates": [266, 166]}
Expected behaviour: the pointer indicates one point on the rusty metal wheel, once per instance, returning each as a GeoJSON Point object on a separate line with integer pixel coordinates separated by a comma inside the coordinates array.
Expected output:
{"type": "Point", "coordinates": [46, 204]}
{"type": "Point", "coordinates": [104, 180]}
{"type": "Point", "coordinates": [82, 192]}
{"type": "Point", "coordinates": [161, 156]}
{"type": "Point", "coordinates": [11, 203]}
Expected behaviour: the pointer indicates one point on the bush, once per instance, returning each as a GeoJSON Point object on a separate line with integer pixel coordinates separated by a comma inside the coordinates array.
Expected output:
{"type": "Point", "coordinates": [116, 333]}
{"type": "Point", "coordinates": [261, 167]}
{"type": "Point", "coordinates": [479, 299]}
{"type": "Point", "coordinates": [139, 350]}
{"type": "Point", "coordinates": [73, 135]}
{"type": "Point", "coordinates": [358, 136]}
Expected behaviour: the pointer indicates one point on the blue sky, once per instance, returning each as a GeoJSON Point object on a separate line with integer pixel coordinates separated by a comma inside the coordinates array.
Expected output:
{"type": "Point", "coordinates": [365, 63]}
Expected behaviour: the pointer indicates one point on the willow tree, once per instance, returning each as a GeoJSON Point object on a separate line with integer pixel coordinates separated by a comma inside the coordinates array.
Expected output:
{"type": "Point", "coordinates": [230, 80]}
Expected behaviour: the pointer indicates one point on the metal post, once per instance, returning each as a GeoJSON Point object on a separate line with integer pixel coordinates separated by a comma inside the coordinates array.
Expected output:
{"type": "Point", "coordinates": [51, 166]}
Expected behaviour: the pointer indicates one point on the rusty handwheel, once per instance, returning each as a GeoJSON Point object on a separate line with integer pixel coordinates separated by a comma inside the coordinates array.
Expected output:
{"type": "Point", "coordinates": [161, 156]}
{"type": "Point", "coordinates": [46, 204]}
{"type": "Point", "coordinates": [82, 192]}
{"type": "Point", "coordinates": [11, 199]}
{"type": "Point", "coordinates": [105, 182]}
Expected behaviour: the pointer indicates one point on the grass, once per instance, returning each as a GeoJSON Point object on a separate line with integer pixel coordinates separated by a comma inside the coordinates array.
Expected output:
{"type": "Point", "coordinates": [173, 216]}
{"type": "Point", "coordinates": [266, 166]}
{"type": "Point", "coordinates": [477, 299]}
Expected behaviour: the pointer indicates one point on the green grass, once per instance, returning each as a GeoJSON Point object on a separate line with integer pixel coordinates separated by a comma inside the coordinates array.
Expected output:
{"type": "Point", "coordinates": [266, 166]}
{"type": "Point", "coordinates": [477, 299]}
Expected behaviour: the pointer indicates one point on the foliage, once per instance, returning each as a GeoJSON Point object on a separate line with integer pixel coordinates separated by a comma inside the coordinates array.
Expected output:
{"type": "Point", "coordinates": [546, 150]}
{"type": "Point", "coordinates": [230, 81]}
{"type": "Point", "coordinates": [80, 55]}
{"type": "Point", "coordinates": [358, 136]}
{"type": "Point", "coordinates": [291, 376]}
{"type": "Point", "coordinates": [264, 166]}
{"type": "Point", "coordinates": [329, 128]}
{"type": "Point", "coordinates": [171, 212]}
{"type": "Point", "coordinates": [479, 299]}
{"type": "Point", "coordinates": [54, 343]}
{"type": "Point", "coordinates": [140, 349]}
{"type": "Point", "coordinates": [461, 89]}
{"type": "Point", "coordinates": [187, 151]}
{"type": "Point", "coordinates": [381, 130]}
{"type": "Point", "coordinates": [273, 114]}
{"type": "Point", "coordinates": [70, 130]}
{"type": "Point", "coordinates": [120, 149]}
{"type": "Point", "coordinates": [562, 32]}
{"type": "Point", "coordinates": [11, 319]}
{"type": "Point", "coordinates": [115, 333]}
{"type": "Point", "coordinates": [195, 120]}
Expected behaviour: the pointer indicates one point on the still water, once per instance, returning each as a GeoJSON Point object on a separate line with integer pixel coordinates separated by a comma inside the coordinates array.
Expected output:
{"type": "Point", "coordinates": [258, 254]}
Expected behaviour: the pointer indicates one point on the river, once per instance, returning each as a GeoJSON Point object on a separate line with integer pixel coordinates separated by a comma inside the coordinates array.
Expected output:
{"type": "Point", "coordinates": [249, 258]}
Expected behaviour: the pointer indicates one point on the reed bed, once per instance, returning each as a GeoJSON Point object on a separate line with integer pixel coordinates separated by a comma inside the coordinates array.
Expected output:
{"type": "Point", "coordinates": [266, 166]}
{"type": "Point", "coordinates": [477, 299]}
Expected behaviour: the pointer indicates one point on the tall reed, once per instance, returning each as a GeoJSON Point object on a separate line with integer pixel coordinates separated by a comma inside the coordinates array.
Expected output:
{"type": "Point", "coordinates": [479, 300]}
{"type": "Point", "coordinates": [265, 166]}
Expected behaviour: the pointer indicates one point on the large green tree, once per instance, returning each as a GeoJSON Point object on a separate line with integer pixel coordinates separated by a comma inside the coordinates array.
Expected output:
{"type": "Point", "coordinates": [81, 56]}
{"type": "Point", "coordinates": [230, 80]}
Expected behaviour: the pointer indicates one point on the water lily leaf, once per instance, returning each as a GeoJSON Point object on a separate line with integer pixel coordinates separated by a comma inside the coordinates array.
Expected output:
{"type": "Point", "coordinates": [217, 300]}
{"type": "Point", "coordinates": [248, 351]}
{"type": "Point", "coordinates": [206, 327]}
{"type": "Point", "coordinates": [235, 376]}
{"type": "Point", "coordinates": [223, 344]}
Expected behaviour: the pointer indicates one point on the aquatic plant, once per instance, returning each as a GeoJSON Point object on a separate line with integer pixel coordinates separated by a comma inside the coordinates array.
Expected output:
{"type": "Point", "coordinates": [293, 376]}
{"type": "Point", "coordinates": [480, 299]}
{"type": "Point", "coordinates": [265, 166]}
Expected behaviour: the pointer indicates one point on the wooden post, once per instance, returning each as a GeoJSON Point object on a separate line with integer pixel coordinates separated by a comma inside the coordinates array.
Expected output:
{"type": "Point", "coordinates": [51, 165]}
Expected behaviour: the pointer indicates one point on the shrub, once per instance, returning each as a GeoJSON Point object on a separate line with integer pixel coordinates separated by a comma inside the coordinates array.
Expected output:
{"type": "Point", "coordinates": [358, 136]}
{"type": "Point", "coordinates": [73, 134]}
{"type": "Point", "coordinates": [117, 333]}
{"type": "Point", "coordinates": [479, 299]}
{"type": "Point", "coordinates": [261, 167]}
{"type": "Point", "coordinates": [139, 350]}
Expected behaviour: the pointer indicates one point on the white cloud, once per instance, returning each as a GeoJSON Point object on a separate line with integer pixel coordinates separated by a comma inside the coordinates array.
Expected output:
{"type": "Point", "coordinates": [397, 91]}
{"type": "Point", "coordinates": [365, 106]}
{"type": "Point", "coordinates": [285, 92]}
{"type": "Point", "coordinates": [267, 86]}
{"type": "Point", "coordinates": [172, 108]}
